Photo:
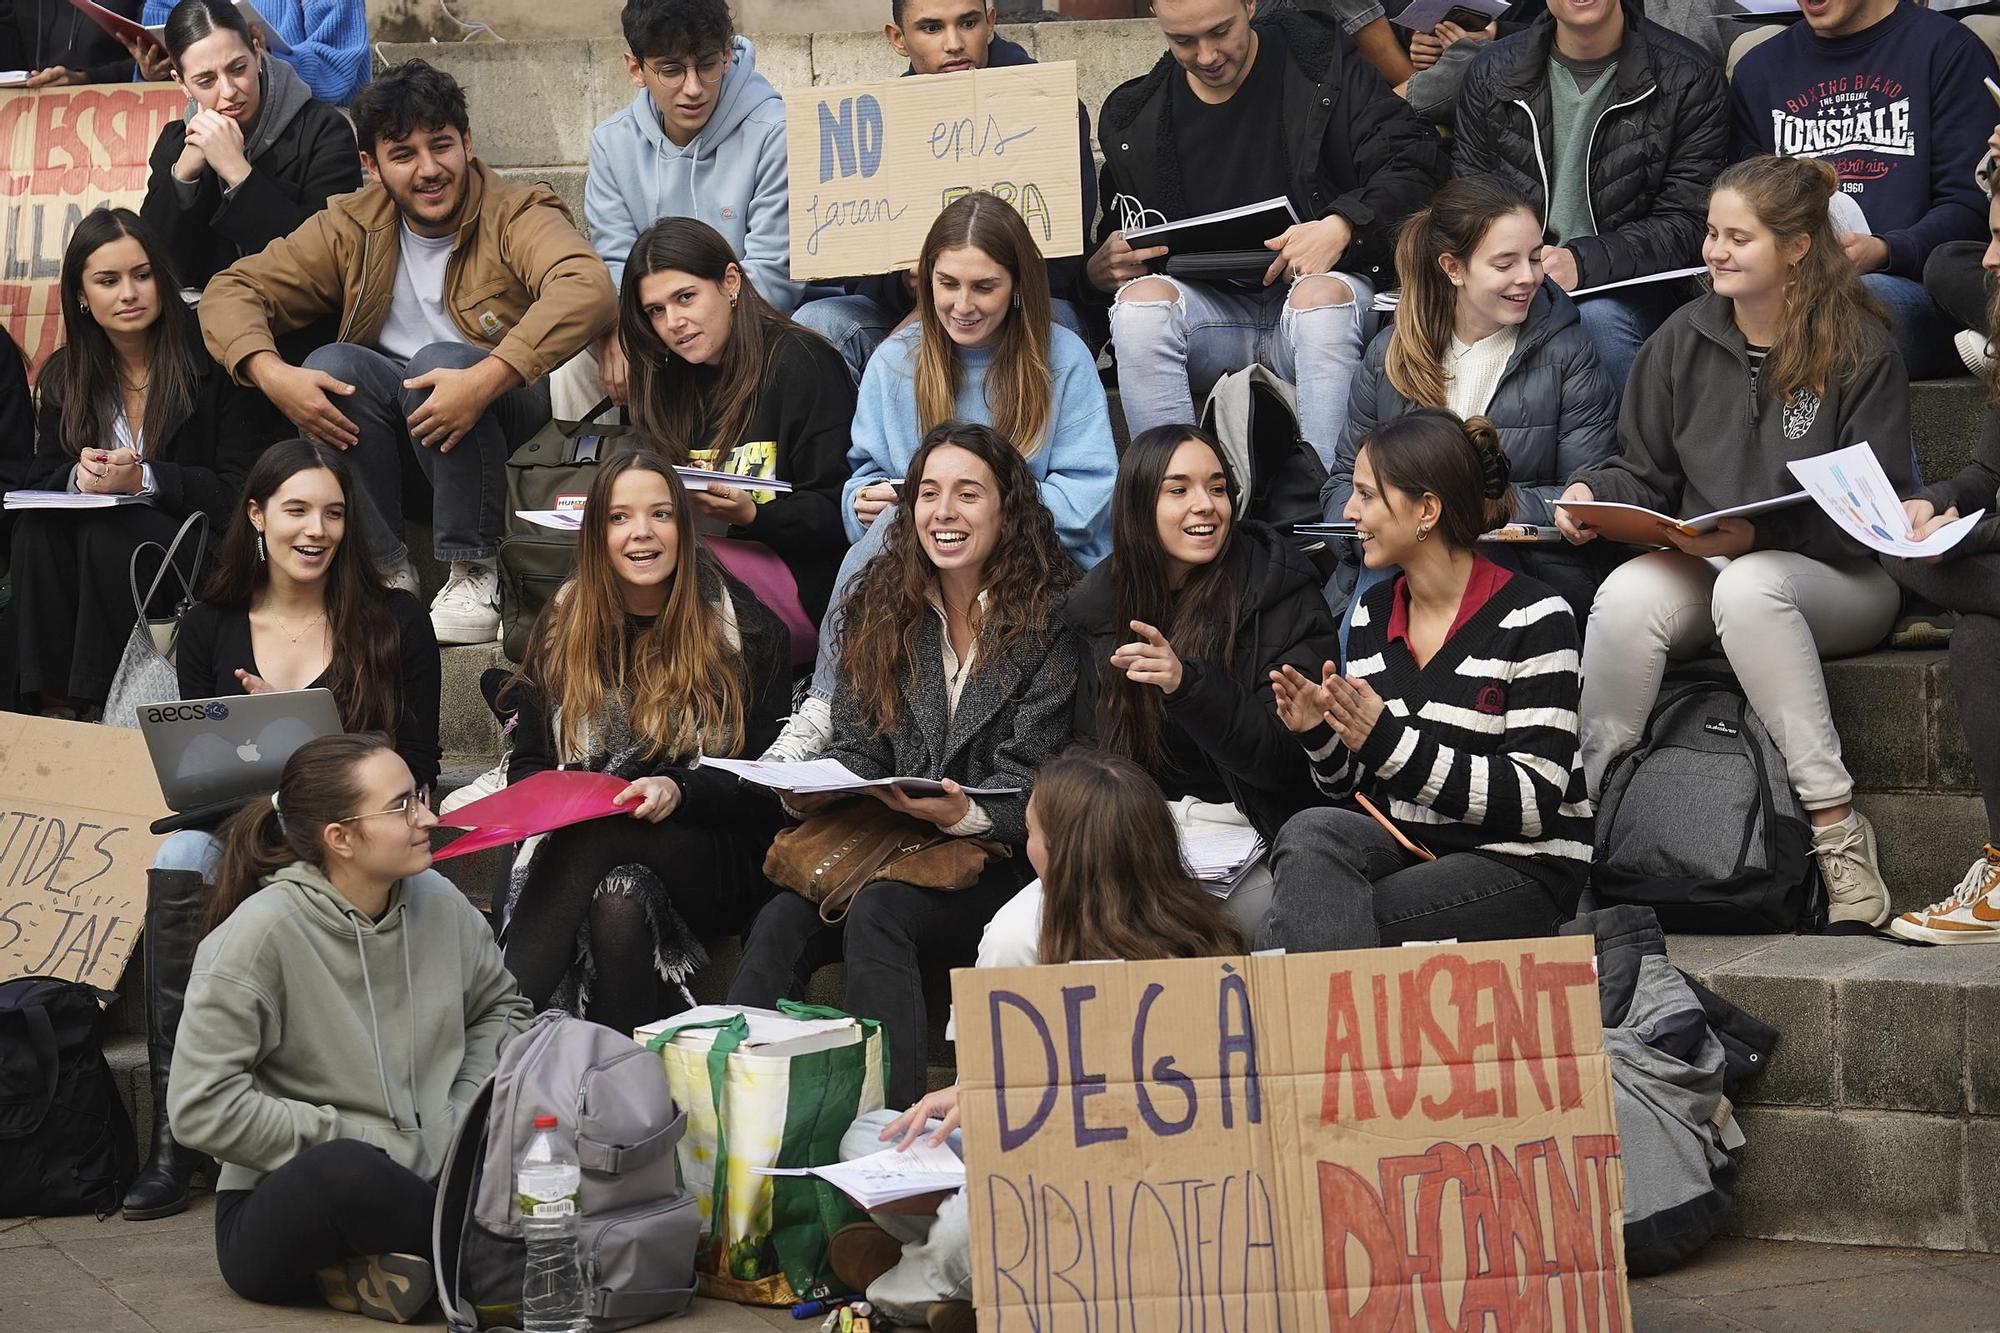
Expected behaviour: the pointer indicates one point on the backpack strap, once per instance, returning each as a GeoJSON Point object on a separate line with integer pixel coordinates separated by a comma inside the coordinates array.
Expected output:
{"type": "Point", "coordinates": [456, 1186]}
{"type": "Point", "coordinates": [41, 1095]}
{"type": "Point", "coordinates": [632, 1306]}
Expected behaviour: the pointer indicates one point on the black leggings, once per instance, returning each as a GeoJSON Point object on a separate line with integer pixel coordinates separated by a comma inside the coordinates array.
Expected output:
{"type": "Point", "coordinates": [1970, 586]}
{"type": "Point", "coordinates": [340, 1200]}
{"type": "Point", "coordinates": [891, 934]}
{"type": "Point", "coordinates": [713, 876]}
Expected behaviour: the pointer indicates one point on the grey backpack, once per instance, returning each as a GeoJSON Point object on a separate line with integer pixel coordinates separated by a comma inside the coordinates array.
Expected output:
{"type": "Point", "coordinates": [637, 1227]}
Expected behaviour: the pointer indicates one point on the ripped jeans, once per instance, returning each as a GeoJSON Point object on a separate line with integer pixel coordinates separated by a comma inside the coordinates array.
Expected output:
{"type": "Point", "coordinates": [1170, 350]}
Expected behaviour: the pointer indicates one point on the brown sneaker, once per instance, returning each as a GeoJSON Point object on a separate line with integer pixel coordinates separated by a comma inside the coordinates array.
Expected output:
{"type": "Point", "coordinates": [394, 1288]}
{"type": "Point", "coordinates": [951, 1317]}
{"type": "Point", "coordinates": [860, 1252]}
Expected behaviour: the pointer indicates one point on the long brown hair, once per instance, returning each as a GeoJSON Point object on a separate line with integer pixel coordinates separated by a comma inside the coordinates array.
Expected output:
{"type": "Point", "coordinates": [1992, 311]}
{"type": "Point", "coordinates": [1430, 451]}
{"type": "Point", "coordinates": [1116, 886]}
{"type": "Point", "coordinates": [87, 389]}
{"type": "Point", "coordinates": [680, 681]}
{"type": "Point", "coordinates": [1020, 392]}
{"type": "Point", "coordinates": [1200, 621]}
{"type": "Point", "coordinates": [1454, 224]}
{"type": "Point", "coordinates": [679, 408]}
{"type": "Point", "coordinates": [1023, 579]}
{"type": "Point", "coordinates": [367, 665]}
{"type": "Point", "coordinates": [1820, 340]}
{"type": "Point", "coordinates": [317, 788]}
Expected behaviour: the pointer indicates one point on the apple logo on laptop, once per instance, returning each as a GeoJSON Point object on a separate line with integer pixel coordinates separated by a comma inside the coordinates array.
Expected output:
{"type": "Point", "coordinates": [248, 752]}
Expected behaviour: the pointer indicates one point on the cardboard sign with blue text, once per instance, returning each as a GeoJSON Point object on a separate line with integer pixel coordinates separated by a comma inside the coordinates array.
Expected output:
{"type": "Point", "coordinates": [1371, 1141]}
{"type": "Point", "coordinates": [75, 803]}
{"type": "Point", "coordinates": [872, 165]}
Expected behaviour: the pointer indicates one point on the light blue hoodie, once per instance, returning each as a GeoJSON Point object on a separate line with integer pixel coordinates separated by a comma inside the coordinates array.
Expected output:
{"type": "Point", "coordinates": [732, 176]}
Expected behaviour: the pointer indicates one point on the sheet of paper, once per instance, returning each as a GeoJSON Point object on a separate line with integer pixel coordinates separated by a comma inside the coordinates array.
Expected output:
{"type": "Point", "coordinates": [1219, 849]}
{"type": "Point", "coordinates": [889, 1175]}
{"type": "Point", "coordinates": [13, 78]}
{"type": "Point", "coordinates": [1850, 485]}
{"type": "Point", "coordinates": [700, 479]}
{"type": "Point", "coordinates": [561, 520]}
{"type": "Point", "coordinates": [1670, 275]}
{"type": "Point", "coordinates": [68, 500]}
{"type": "Point", "coordinates": [1424, 15]}
{"type": "Point", "coordinates": [813, 776]}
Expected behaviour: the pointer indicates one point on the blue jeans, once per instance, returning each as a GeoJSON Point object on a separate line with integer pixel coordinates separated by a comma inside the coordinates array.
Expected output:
{"type": "Point", "coordinates": [1923, 332]}
{"type": "Point", "coordinates": [826, 667]}
{"type": "Point", "coordinates": [1168, 350]}
{"type": "Point", "coordinates": [1620, 322]}
{"type": "Point", "coordinates": [857, 325]}
{"type": "Point", "coordinates": [192, 850]}
{"type": "Point", "coordinates": [468, 482]}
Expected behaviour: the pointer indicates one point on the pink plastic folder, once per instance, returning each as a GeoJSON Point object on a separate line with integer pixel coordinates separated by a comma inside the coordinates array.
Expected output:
{"type": "Point", "coordinates": [539, 804]}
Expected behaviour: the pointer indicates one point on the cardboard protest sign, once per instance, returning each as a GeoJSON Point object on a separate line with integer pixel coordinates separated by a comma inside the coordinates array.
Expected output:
{"type": "Point", "coordinates": [872, 165]}
{"type": "Point", "coordinates": [75, 800]}
{"type": "Point", "coordinates": [1385, 1140]}
{"type": "Point", "coordinates": [68, 150]}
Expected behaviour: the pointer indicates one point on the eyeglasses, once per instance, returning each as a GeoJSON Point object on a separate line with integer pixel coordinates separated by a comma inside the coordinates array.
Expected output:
{"type": "Point", "coordinates": [409, 807]}
{"type": "Point", "coordinates": [709, 69]}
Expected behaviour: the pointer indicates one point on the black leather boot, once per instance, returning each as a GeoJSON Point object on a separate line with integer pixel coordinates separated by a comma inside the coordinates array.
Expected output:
{"type": "Point", "coordinates": [174, 900]}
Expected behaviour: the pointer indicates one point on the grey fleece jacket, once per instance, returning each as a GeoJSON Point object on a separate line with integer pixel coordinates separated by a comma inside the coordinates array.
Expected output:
{"type": "Point", "coordinates": [307, 1022]}
{"type": "Point", "coordinates": [1693, 438]}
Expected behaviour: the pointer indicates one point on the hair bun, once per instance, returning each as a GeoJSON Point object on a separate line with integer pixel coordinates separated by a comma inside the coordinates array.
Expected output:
{"type": "Point", "coordinates": [1495, 468]}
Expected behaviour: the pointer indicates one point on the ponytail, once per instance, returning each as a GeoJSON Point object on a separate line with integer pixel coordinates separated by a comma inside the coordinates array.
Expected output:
{"type": "Point", "coordinates": [1430, 451]}
{"type": "Point", "coordinates": [317, 788]}
{"type": "Point", "coordinates": [1427, 311]}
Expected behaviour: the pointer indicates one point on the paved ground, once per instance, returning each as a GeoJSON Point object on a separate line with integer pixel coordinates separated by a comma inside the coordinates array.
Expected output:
{"type": "Point", "coordinates": [76, 1275]}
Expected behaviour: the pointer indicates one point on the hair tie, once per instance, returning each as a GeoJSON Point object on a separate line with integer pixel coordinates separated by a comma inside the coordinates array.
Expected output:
{"type": "Point", "coordinates": [1496, 469]}
{"type": "Point", "coordinates": [278, 811]}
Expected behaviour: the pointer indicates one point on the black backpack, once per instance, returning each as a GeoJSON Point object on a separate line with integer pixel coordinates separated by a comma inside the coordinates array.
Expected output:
{"type": "Point", "coordinates": [66, 1142]}
{"type": "Point", "coordinates": [1698, 821]}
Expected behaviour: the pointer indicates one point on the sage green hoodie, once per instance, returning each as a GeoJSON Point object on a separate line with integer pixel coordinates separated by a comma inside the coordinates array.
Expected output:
{"type": "Point", "coordinates": [307, 1022]}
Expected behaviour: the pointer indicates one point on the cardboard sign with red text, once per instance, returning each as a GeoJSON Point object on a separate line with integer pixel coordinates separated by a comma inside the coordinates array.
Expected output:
{"type": "Point", "coordinates": [76, 800]}
{"type": "Point", "coordinates": [69, 150]}
{"type": "Point", "coordinates": [1370, 1141]}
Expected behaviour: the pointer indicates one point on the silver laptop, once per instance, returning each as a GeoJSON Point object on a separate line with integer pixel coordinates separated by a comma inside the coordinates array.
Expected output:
{"type": "Point", "coordinates": [211, 753]}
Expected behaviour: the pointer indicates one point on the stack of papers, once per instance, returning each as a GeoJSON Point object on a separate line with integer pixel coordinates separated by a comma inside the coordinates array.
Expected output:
{"type": "Point", "coordinates": [1220, 855]}
{"type": "Point", "coordinates": [887, 1176]}
{"type": "Point", "coordinates": [69, 500]}
{"type": "Point", "coordinates": [814, 776]}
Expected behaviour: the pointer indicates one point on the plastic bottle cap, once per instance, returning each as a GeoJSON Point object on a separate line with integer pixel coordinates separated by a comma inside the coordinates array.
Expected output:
{"type": "Point", "coordinates": [545, 1122]}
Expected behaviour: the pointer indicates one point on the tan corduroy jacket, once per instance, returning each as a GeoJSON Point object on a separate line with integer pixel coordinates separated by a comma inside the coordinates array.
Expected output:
{"type": "Point", "coordinates": [521, 281]}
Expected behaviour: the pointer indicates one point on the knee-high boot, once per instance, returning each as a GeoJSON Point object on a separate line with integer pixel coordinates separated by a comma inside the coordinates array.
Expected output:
{"type": "Point", "coordinates": [174, 901]}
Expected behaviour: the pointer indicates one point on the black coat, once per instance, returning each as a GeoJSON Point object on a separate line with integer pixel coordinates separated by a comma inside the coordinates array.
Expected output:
{"type": "Point", "coordinates": [1352, 147]}
{"type": "Point", "coordinates": [205, 456]}
{"type": "Point", "coordinates": [1556, 411]}
{"type": "Point", "coordinates": [35, 34]}
{"type": "Point", "coordinates": [312, 159]}
{"type": "Point", "coordinates": [1653, 154]}
{"type": "Point", "coordinates": [1228, 714]}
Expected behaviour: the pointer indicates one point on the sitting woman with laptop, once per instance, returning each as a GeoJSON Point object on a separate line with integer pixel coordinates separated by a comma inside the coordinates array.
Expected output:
{"type": "Point", "coordinates": [138, 430]}
{"type": "Point", "coordinates": [958, 674]}
{"type": "Point", "coordinates": [291, 605]}
{"type": "Point", "coordinates": [345, 1003]}
{"type": "Point", "coordinates": [648, 657]}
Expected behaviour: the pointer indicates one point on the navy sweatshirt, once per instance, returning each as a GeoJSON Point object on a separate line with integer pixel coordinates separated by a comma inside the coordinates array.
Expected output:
{"type": "Point", "coordinates": [1898, 110]}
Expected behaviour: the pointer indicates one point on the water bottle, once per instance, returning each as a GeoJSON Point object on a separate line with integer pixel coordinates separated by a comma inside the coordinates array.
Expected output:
{"type": "Point", "coordinates": [546, 1186]}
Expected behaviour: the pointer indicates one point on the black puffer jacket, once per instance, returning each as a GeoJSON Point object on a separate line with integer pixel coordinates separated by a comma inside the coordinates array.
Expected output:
{"type": "Point", "coordinates": [1352, 147]}
{"type": "Point", "coordinates": [1229, 715]}
{"type": "Point", "coordinates": [1556, 411]}
{"type": "Point", "coordinates": [1655, 150]}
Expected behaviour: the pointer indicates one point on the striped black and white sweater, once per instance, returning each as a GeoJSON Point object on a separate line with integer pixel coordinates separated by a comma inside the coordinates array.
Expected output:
{"type": "Point", "coordinates": [1477, 750]}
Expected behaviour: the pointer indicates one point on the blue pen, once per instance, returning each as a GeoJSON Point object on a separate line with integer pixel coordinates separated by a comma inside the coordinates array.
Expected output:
{"type": "Point", "coordinates": [807, 1309]}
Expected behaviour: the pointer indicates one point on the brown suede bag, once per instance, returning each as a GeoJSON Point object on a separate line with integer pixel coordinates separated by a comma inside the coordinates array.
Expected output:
{"type": "Point", "coordinates": [837, 853]}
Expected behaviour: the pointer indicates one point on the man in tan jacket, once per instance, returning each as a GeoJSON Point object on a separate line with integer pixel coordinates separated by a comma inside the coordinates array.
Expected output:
{"type": "Point", "coordinates": [456, 294]}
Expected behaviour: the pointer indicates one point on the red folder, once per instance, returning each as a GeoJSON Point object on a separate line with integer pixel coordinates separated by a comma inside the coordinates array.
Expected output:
{"type": "Point", "coordinates": [117, 25]}
{"type": "Point", "coordinates": [539, 804]}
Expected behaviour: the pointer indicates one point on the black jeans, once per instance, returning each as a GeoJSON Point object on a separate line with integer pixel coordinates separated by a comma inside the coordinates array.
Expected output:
{"type": "Point", "coordinates": [468, 483]}
{"type": "Point", "coordinates": [891, 934]}
{"type": "Point", "coordinates": [1341, 882]}
{"type": "Point", "coordinates": [340, 1200]}
{"type": "Point", "coordinates": [1958, 284]}
{"type": "Point", "coordinates": [1970, 585]}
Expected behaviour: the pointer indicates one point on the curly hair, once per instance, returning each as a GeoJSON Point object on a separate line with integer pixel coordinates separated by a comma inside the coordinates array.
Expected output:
{"type": "Point", "coordinates": [1022, 581]}
{"type": "Point", "coordinates": [676, 29]}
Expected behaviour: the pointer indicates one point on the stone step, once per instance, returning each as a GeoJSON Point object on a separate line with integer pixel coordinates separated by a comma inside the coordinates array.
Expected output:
{"type": "Point", "coordinates": [1879, 1117]}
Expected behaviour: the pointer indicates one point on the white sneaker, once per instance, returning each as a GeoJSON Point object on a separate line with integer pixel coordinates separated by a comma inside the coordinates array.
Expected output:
{"type": "Point", "coordinates": [1970, 915]}
{"type": "Point", "coordinates": [404, 577]}
{"type": "Point", "coordinates": [1971, 344]}
{"type": "Point", "coordinates": [1847, 862]}
{"type": "Point", "coordinates": [467, 607]}
{"type": "Point", "coordinates": [806, 735]}
{"type": "Point", "coordinates": [486, 784]}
